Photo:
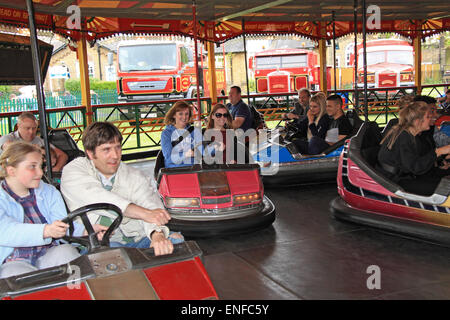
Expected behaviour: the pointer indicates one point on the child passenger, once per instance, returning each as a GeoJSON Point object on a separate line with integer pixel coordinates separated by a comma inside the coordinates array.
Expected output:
{"type": "Point", "coordinates": [30, 215]}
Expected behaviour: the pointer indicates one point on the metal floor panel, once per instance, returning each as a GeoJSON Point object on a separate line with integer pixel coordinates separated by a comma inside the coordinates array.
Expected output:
{"type": "Point", "coordinates": [307, 254]}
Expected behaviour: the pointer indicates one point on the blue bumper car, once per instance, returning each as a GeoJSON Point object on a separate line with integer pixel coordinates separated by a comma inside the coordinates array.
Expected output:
{"type": "Point", "coordinates": [282, 164]}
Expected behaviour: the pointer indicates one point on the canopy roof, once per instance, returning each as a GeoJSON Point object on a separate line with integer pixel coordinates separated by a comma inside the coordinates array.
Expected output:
{"type": "Point", "coordinates": [220, 20]}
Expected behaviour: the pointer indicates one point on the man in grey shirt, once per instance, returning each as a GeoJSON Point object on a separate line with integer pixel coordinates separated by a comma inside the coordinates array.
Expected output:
{"type": "Point", "coordinates": [26, 131]}
{"type": "Point", "coordinates": [300, 107]}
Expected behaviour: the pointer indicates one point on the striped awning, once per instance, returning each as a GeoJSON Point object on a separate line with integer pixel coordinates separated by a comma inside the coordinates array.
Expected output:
{"type": "Point", "coordinates": [221, 20]}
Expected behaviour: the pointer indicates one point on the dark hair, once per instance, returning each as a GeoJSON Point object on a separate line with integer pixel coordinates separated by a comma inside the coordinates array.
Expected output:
{"type": "Point", "coordinates": [426, 99]}
{"type": "Point", "coordinates": [336, 98]}
{"type": "Point", "coordinates": [238, 89]}
{"type": "Point", "coordinates": [305, 90]}
{"type": "Point", "coordinates": [99, 133]}
{"type": "Point", "coordinates": [210, 123]}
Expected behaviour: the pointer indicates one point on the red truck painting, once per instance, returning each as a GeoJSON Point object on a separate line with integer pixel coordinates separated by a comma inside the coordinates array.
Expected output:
{"type": "Point", "coordinates": [390, 63]}
{"type": "Point", "coordinates": [286, 70]}
{"type": "Point", "coordinates": [149, 70]}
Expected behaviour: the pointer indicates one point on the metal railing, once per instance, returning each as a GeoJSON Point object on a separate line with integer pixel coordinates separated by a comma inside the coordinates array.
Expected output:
{"type": "Point", "coordinates": [141, 123]}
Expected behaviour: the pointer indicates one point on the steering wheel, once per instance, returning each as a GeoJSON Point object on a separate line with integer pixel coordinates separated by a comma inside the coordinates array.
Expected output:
{"type": "Point", "coordinates": [291, 130]}
{"type": "Point", "coordinates": [90, 241]}
{"type": "Point", "coordinates": [291, 126]}
{"type": "Point", "coordinates": [441, 160]}
{"type": "Point", "coordinates": [204, 144]}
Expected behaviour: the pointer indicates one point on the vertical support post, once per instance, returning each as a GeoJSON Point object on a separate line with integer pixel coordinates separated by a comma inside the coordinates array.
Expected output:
{"type": "Point", "coordinates": [366, 107]}
{"type": "Point", "coordinates": [84, 77]}
{"type": "Point", "coordinates": [355, 65]}
{"type": "Point", "coordinates": [212, 78]}
{"type": "Point", "coordinates": [194, 15]}
{"type": "Point", "coordinates": [334, 49]}
{"type": "Point", "coordinates": [323, 65]}
{"type": "Point", "coordinates": [418, 58]}
{"type": "Point", "coordinates": [39, 85]}
{"type": "Point", "coordinates": [323, 58]}
{"type": "Point", "coordinates": [245, 57]}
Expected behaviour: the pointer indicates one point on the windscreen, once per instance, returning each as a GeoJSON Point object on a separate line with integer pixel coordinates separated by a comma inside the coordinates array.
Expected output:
{"type": "Point", "coordinates": [147, 57]}
{"type": "Point", "coordinates": [274, 62]}
{"type": "Point", "coordinates": [372, 58]}
{"type": "Point", "coordinates": [396, 56]}
{"type": "Point", "coordinates": [400, 57]}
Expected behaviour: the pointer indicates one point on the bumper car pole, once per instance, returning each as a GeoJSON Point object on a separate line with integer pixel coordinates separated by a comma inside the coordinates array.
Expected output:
{"type": "Point", "coordinates": [38, 81]}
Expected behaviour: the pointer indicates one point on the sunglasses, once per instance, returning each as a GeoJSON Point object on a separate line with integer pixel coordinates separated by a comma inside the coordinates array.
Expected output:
{"type": "Point", "coordinates": [219, 115]}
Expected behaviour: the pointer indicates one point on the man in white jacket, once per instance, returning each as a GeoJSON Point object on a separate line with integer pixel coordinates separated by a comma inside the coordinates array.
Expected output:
{"type": "Point", "coordinates": [102, 177]}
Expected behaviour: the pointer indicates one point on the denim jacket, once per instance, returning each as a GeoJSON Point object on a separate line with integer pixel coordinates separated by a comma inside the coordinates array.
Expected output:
{"type": "Point", "coordinates": [174, 155]}
{"type": "Point", "coordinates": [14, 233]}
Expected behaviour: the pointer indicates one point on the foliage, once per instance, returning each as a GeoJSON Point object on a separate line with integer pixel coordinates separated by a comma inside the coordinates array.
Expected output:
{"type": "Point", "coordinates": [252, 85]}
{"type": "Point", "coordinates": [7, 91]}
{"type": "Point", "coordinates": [74, 86]}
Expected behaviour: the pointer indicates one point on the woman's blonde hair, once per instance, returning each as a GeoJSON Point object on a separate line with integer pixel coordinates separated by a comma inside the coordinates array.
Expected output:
{"type": "Point", "coordinates": [14, 154]}
{"type": "Point", "coordinates": [321, 99]}
{"type": "Point", "coordinates": [405, 101]}
{"type": "Point", "coordinates": [178, 106]}
{"type": "Point", "coordinates": [210, 123]}
{"type": "Point", "coordinates": [408, 114]}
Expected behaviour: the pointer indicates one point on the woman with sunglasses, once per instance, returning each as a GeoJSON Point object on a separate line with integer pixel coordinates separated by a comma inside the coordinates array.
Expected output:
{"type": "Point", "coordinates": [219, 120]}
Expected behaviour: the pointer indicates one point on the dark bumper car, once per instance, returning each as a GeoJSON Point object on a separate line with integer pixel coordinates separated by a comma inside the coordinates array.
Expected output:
{"type": "Point", "coordinates": [367, 197]}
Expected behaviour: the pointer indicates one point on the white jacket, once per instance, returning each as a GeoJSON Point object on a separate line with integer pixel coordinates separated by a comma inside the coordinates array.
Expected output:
{"type": "Point", "coordinates": [81, 185]}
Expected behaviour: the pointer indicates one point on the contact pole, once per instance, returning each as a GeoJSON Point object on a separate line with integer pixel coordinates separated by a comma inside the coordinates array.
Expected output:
{"type": "Point", "coordinates": [366, 107]}
{"type": "Point", "coordinates": [355, 64]}
{"type": "Point", "coordinates": [245, 57]}
{"type": "Point", "coordinates": [39, 88]}
{"type": "Point", "coordinates": [194, 15]}
{"type": "Point", "coordinates": [334, 48]}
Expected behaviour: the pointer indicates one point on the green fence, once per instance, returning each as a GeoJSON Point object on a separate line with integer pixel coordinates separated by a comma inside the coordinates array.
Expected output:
{"type": "Point", "coordinates": [56, 101]}
{"type": "Point", "coordinates": [141, 122]}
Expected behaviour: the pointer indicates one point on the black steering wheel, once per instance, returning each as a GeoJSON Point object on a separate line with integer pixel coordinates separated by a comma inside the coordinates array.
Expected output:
{"type": "Point", "coordinates": [90, 241]}
{"type": "Point", "coordinates": [441, 160]}
{"type": "Point", "coordinates": [204, 144]}
{"type": "Point", "coordinates": [291, 129]}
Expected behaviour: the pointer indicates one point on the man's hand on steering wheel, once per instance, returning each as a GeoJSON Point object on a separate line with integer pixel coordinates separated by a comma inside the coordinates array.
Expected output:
{"type": "Point", "coordinates": [99, 230]}
{"type": "Point", "coordinates": [95, 236]}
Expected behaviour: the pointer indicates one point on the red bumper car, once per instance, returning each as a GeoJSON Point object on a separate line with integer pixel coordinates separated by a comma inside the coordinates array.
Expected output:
{"type": "Point", "coordinates": [368, 197]}
{"type": "Point", "coordinates": [214, 200]}
{"type": "Point", "coordinates": [106, 273]}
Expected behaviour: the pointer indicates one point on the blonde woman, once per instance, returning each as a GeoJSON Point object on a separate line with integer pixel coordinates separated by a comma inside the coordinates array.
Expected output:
{"type": "Point", "coordinates": [314, 127]}
{"type": "Point", "coordinates": [408, 159]}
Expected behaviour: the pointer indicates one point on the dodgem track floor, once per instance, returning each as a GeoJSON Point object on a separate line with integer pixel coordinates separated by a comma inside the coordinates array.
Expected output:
{"type": "Point", "coordinates": [307, 254]}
